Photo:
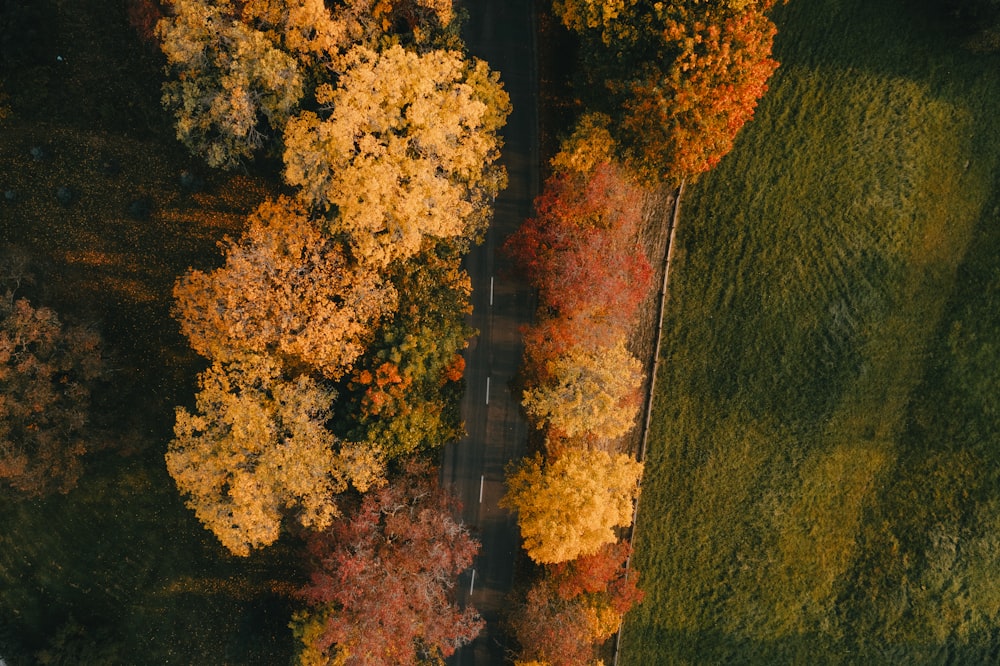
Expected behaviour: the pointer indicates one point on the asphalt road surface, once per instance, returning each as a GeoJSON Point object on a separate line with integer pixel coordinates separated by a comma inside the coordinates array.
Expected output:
{"type": "Point", "coordinates": [502, 32]}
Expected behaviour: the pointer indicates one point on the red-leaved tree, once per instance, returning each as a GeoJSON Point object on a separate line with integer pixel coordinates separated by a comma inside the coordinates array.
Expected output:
{"type": "Point", "coordinates": [576, 607]}
{"type": "Point", "coordinates": [382, 578]}
{"type": "Point", "coordinates": [581, 249]}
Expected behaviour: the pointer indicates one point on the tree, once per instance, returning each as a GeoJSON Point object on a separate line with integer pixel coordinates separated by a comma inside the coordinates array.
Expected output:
{"type": "Point", "coordinates": [46, 372]}
{"type": "Point", "coordinates": [576, 606]}
{"type": "Point", "coordinates": [589, 146]}
{"type": "Point", "coordinates": [381, 584]}
{"type": "Point", "coordinates": [242, 67]}
{"type": "Point", "coordinates": [581, 248]}
{"type": "Point", "coordinates": [569, 505]}
{"type": "Point", "coordinates": [683, 77]}
{"type": "Point", "coordinates": [551, 631]}
{"type": "Point", "coordinates": [402, 388]}
{"type": "Point", "coordinates": [257, 446]}
{"type": "Point", "coordinates": [231, 80]}
{"type": "Point", "coordinates": [287, 288]}
{"type": "Point", "coordinates": [587, 391]}
{"type": "Point", "coordinates": [406, 153]}
{"type": "Point", "coordinates": [682, 119]}
{"type": "Point", "coordinates": [601, 578]}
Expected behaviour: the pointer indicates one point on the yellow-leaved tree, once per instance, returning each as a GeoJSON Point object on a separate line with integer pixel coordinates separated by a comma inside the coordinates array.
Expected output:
{"type": "Point", "coordinates": [405, 150]}
{"type": "Point", "coordinates": [231, 79]}
{"type": "Point", "coordinates": [257, 447]}
{"type": "Point", "coordinates": [570, 505]}
{"type": "Point", "coordinates": [587, 391]}
{"type": "Point", "coordinates": [287, 288]}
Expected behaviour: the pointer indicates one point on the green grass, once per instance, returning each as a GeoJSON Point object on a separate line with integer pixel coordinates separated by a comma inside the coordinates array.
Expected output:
{"type": "Point", "coordinates": [819, 412]}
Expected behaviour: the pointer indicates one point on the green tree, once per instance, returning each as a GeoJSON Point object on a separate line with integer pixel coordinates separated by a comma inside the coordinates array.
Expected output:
{"type": "Point", "coordinates": [402, 391]}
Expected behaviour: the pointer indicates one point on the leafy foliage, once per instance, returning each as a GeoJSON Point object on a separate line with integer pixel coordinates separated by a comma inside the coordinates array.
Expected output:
{"type": "Point", "coordinates": [684, 77]}
{"type": "Point", "coordinates": [383, 576]}
{"type": "Point", "coordinates": [231, 78]}
{"type": "Point", "coordinates": [397, 397]}
{"type": "Point", "coordinates": [580, 250]}
{"type": "Point", "coordinates": [682, 119]}
{"type": "Point", "coordinates": [576, 607]}
{"type": "Point", "coordinates": [407, 152]}
{"type": "Point", "coordinates": [287, 287]}
{"type": "Point", "coordinates": [47, 369]}
{"type": "Point", "coordinates": [588, 391]}
{"type": "Point", "coordinates": [569, 505]}
{"type": "Point", "coordinates": [257, 445]}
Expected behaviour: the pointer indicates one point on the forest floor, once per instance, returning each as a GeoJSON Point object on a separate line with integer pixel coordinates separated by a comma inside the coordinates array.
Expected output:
{"type": "Point", "coordinates": [110, 210]}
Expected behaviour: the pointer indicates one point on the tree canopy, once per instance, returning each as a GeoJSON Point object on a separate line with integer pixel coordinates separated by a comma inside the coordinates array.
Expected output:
{"type": "Point", "coordinates": [287, 287]}
{"type": "Point", "coordinates": [405, 152]}
{"type": "Point", "coordinates": [587, 391]}
{"type": "Point", "coordinates": [46, 372]}
{"type": "Point", "coordinates": [255, 447]}
{"type": "Point", "coordinates": [383, 576]}
{"type": "Point", "coordinates": [679, 79]}
{"type": "Point", "coordinates": [570, 505]}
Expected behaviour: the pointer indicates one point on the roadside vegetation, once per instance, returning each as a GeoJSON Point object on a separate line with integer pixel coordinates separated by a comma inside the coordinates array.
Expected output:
{"type": "Point", "coordinates": [821, 478]}
{"type": "Point", "coordinates": [663, 91]}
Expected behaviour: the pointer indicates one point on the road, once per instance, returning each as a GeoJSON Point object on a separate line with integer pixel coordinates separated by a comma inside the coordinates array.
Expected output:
{"type": "Point", "coordinates": [502, 32]}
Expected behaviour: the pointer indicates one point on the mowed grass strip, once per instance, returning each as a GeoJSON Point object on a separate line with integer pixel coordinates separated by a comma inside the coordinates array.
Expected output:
{"type": "Point", "coordinates": [816, 265]}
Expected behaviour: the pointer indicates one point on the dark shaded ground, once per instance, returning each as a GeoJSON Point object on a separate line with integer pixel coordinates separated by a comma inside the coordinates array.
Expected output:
{"type": "Point", "coordinates": [92, 187]}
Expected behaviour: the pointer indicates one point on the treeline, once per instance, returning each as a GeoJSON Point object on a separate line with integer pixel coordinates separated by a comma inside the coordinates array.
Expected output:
{"type": "Point", "coordinates": [334, 328]}
{"type": "Point", "coordinates": [664, 88]}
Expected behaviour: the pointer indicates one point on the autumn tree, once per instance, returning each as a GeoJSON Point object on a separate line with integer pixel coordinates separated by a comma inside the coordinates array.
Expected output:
{"type": "Point", "coordinates": [581, 248]}
{"type": "Point", "coordinates": [403, 150]}
{"type": "Point", "coordinates": [575, 607]}
{"type": "Point", "coordinates": [231, 82]}
{"type": "Point", "coordinates": [682, 78]}
{"type": "Point", "coordinates": [288, 288]}
{"type": "Point", "coordinates": [587, 391]}
{"type": "Point", "coordinates": [683, 119]}
{"type": "Point", "coordinates": [569, 505]}
{"type": "Point", "coordinates": [400, 396]}
{"type": "Point", "coordinates": [381, 585]}
{"type": "Point", "coordinates": [257, 447]}
{"type": "Point", "coordinates": [47, 369]}
{"type": "Point", "coordinates": [552, 632]}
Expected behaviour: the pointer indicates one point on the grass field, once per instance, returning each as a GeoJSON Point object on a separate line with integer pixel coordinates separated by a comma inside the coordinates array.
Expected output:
{"type": "Point", "coordinates": [821, 480]}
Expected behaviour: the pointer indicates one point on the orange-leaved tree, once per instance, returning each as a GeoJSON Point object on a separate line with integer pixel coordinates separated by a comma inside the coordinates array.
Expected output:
{"type": "Point", "coordinates": [682, 119]}
{"type": "Point", "coordinates": [289, 288]}
{"type": "Point", "coordinates": [46, 372]}
{"type": "Point", "coordinates": [382, 579]}
{"type": "Point", "coordinates": [575, 607]}
{"type": "Point", "coordinates": [684, 76]}
{"type": "Point", "coordinates": [581, 248]}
